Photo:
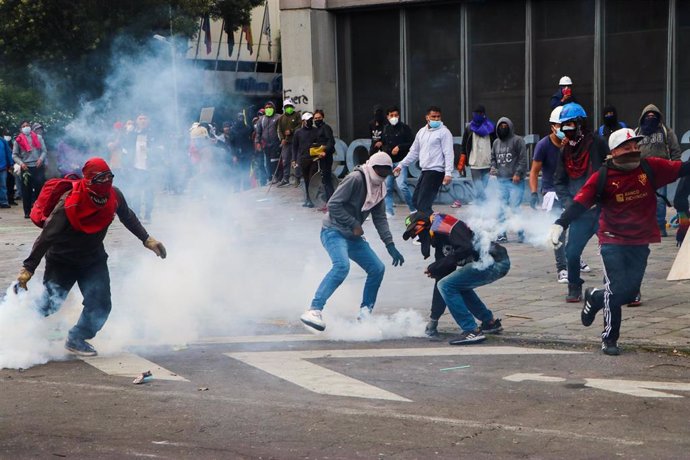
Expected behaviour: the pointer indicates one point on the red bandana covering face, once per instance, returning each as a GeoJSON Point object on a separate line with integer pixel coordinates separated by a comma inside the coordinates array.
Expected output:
{"type": "Point", "coordinates": [91, 205]}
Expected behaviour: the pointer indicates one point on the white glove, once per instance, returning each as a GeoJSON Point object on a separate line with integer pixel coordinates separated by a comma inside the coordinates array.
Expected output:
{"type": "Point", "coordinates": [555, 236]}
{"type": "Point", "coordinates": [17, 169]}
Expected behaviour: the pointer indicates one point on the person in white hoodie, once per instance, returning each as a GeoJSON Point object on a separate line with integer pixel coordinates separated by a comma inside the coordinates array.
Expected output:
{"type": "Point", "coordinates": [433, 147]}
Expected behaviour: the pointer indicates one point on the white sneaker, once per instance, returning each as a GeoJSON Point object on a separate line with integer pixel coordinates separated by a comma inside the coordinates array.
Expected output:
{"type": "Point", "coordinates": [313, 319]}
{"type": "Point", "coordinates": [584, 267]}
{"type": "Point", "coordinates": [563, 277]}
{"type": "Point", "coordinates": [389, 215]}
{"type": "Point", "coordinates": [364, 313]}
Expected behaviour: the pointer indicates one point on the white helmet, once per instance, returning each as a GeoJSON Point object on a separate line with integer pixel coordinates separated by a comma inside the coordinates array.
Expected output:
{"type": "Point", "coordinates": [287, 102]}
{"type": "Point", "coordinates": [555, 116]}
{"type": "Point", "coordinates": [565, 81]}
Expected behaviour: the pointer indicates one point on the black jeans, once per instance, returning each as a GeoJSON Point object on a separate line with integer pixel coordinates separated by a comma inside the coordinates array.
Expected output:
{"type": "Point", "coordinates": [94, 283]}
{"type": "Point", "coordinates": [624, 267]}
{"type": "Point", "coordinates": [326, 165]}
{"type": "Point", "coordinates": [438, 305]}
{"type": "Point", "coordinates": [426, 190]}
{"type": "Point", "coordinates": [32, 187]}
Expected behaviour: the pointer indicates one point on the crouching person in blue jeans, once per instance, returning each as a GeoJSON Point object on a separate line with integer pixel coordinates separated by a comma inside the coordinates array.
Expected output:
{"type": "Point", "coordinates": [361, 193]}
{"type": "Point", "coordinates": [460, 271]}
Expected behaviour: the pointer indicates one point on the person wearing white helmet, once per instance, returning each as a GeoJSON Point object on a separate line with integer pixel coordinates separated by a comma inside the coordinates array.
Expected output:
{"type": "Point", "coordinates": [624, 188]}
{"type": "Point", "coordinates": [545, 160]}
{"type": "Point", "coordinates": [564, 95]}
{"type": "Point", "coordinates": [288, 123]}
{"type": "Point", "coordinates": [582, 155]}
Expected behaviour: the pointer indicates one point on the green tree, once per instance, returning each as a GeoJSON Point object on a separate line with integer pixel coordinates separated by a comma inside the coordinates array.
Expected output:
{"type": "Point", "coordinates": [73, 39]}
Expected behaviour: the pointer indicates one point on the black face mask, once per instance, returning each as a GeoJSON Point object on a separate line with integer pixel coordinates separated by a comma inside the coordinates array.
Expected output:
{"type": "Point", "coordinates": [309, 123]}
{"type": "Point", "coordinates": [611, 121]}
{"type": "Point", "coordinates": [503, 132]}
{"type": "Point", "coordinates": [318, 123]}
{"type": "Point", "coordinates": [649, 125]}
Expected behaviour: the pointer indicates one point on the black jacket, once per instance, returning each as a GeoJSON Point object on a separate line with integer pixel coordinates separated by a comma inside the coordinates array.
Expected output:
{"type": "Point", "coordinates": [567, 187]}
{"type": "Point", "coordinates": [302, 140]}
{"type": "Point", "coordinates": [61, 243]}
{"type": "Point", "coordinates": [399, 136]}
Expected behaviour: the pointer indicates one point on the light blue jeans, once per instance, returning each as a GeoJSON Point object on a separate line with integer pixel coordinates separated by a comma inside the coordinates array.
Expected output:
{"type": "Point", "coordinates": [403, 189]}
{"type": "Point", "coordinates": [457, 290]}
{"type": "Point", "coordinates": [341, 250]}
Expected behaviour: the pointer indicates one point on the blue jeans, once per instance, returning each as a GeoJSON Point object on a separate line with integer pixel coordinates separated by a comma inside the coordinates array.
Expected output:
{"type": "Point", "coordinates": [624, 267]}
{"type": "Point", "coordinates": [3, 187]}
{"type": "Point", "coordinates": [457, 290]}
{"type": "Point", "coordinates": [480, 180]}
{"type": "Point", "coordinates": [341, 250]}
{"type": "Point", "coordinates": [403, 190]}
{"type": "Point", "coordinates": [661, 208]}
{"type": "Point", "coordinates": [580, 232]}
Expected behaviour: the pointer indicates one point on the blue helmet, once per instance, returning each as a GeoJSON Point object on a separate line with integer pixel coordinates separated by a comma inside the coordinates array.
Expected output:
{"type": "Point", "coordinates": [572, 111]}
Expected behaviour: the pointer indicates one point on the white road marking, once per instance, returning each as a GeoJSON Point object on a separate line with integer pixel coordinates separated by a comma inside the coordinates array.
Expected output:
{"type": "Point", "coordinates": [640, 389]}
{"type": "Point", "coordinates": [291, 366]}
{"type": "Point", "coordinates": [131, 365]}
{"type": "Point", "coordinates": [533, 378]}
{"type": "Point", "coordinates": [262, 339]}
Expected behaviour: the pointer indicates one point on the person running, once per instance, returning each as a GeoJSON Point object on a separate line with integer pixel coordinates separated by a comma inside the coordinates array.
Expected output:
{"type": "Point", "coordinates": [360, 194]}
{"type": "Point", "coordinates": [459, 272]}
{"type": "Point", "coordinates": [624, 188]}
{"type": "Point", "coordinates": [72, 243]}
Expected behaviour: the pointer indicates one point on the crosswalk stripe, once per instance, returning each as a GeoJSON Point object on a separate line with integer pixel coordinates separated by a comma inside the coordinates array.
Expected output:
{"type": "Point", "coordinates": [131, 365]}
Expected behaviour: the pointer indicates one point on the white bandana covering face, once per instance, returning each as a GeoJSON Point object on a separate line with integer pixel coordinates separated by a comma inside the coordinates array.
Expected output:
{"type": "Point", "coordinates": [376, 185]}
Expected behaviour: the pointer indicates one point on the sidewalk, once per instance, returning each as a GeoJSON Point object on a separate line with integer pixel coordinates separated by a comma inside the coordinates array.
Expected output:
{"type": "Point", "coordinates": [529, 300]}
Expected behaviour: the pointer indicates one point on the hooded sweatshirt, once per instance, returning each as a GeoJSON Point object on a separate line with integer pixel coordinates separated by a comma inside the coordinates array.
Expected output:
{"type": "Point", "coordinates": [663, 143]}
{"type": "Point", "coordinates": [20, 156]}
{"type": "Point", "coordinates": [291, 122]}
{"type": "Point", "coordinates": [345, 208]}
{"type": "Point", "coordinates": [509, 155]}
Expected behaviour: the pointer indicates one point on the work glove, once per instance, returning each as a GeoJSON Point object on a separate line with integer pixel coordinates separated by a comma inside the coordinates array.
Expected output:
{"type": "Point", "coordinates": [534, 200]}
{"type": "Point", "coordinates": [398, 259]}
{"type": "Point", "coordinates": [555, 236]}
{"type": "Point", "coordinates": [155, 246]}
{"type": "Point", "coordinates": [683, 224]}
{"type": "Point", "coordinates": [23, 278]}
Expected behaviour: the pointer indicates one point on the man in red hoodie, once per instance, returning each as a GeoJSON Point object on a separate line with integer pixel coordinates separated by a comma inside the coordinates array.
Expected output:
{"type": "Point", "coordinates": [625, 190]}
{"type": "Point", "coordinates": [72, 242]}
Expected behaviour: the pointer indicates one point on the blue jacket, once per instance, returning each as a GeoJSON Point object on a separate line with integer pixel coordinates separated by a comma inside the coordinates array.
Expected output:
{"type": "Point", "coordinates": [5, 155]}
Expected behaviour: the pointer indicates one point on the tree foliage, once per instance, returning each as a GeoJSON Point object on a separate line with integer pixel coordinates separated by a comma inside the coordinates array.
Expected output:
{"type": "Point", "coordinates": [73, 39]}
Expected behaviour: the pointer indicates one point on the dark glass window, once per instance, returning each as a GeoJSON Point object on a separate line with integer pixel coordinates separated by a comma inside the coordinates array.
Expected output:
{"type": "Point", "coordinates": [496, 66]}
{"type": "Point", "coordinates": [433, 64]}
{"type": "Point", "coordinates": [561, 48]}
{"type": "Point", "coordinates": [683, 69]}
{"type": "Point", "coordinates": [368, 67]}
{"type": "Point", "coordinates": [635, 58]}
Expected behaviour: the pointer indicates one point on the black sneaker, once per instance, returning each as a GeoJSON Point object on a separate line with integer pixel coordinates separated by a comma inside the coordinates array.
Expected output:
{"type": "Point", "coordinates": [637, 301]}
{"type": "Point", "coordinates": [502, 238]}
{"type": "Point", "coordinates": [431, 330]}
{"type": "Point", "coordinates": [609, 347]}
{"type": "Point", "coordinates": [468, 338]}
{"type": "Point", "coordinates": [491, 327]}
{"type": "Point", "coordinates": [589, 310]}
{"type": "Point", "coordinates": [80, 347]}
{"type": "Point", "coordinates": [574, 294]}
{"type": "Point", "coordinates": [283, 183]}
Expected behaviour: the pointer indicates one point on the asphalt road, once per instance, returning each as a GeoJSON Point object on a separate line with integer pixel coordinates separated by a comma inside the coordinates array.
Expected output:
{"type": "Point", "coordinates": [487, 403]}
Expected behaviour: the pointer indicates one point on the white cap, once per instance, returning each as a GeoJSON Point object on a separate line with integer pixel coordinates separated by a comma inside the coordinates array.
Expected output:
{"type": "Point", "coordinates": [380, 159]}
{"type": "Point", "coordinates": [555, 116]}
{"type": "Point", "coordinates": [621, 136]}
{"type": "Point", "coordinates": [287, 102]}
{"type": "Point", "coordinates": [307, 116]}
{"type": "Point", "coordinates": [565, 80]}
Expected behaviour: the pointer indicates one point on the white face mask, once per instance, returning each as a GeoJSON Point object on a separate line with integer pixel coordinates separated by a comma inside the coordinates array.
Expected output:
{"type": "Point", "coordinates": [8, 138]}
{"type": "Point", "coordinates": [393, 120]}
{"type": "Point", "coordinates": [26, 130]}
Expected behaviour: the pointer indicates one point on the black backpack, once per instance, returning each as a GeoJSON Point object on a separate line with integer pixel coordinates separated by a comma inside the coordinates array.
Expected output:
{"type": "Point", "coordinates": [601, 181]}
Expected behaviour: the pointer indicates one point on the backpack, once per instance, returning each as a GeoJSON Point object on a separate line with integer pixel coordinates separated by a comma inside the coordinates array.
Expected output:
{"type": "Point", "coordinates": [51, 193]}
{"type": "Point", "coordinates": [601, 181]}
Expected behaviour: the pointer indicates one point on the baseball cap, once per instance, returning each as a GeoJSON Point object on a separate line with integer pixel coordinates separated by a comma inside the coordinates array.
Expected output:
{"type": "Point", "coordinates": [622, 136]}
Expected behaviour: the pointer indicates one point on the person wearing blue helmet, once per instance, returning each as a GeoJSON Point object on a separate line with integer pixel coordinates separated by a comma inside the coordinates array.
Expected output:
{"type": "Point", "coordinates": [582, 155]}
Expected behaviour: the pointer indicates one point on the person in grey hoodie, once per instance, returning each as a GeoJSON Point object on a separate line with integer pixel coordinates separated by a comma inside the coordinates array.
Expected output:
{"type": "Point", "coordinates": [361, 193]}
{"type": "Point", "coordinates": [29, 152]}
{"type": "Point", "coordinates": [509, 165]}
{"type": "Point", "coordinates": [659, 141]}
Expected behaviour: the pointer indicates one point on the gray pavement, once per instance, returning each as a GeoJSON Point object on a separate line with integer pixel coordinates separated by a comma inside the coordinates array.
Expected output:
{"type": "Point", "coordinates": [528, 299]}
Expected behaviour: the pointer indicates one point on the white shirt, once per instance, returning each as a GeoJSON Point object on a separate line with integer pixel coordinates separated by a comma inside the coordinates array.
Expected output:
{"type": "Point", "coordinates": [434, 150]}
{"type": "Point", "coordinates": [140, 154]}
